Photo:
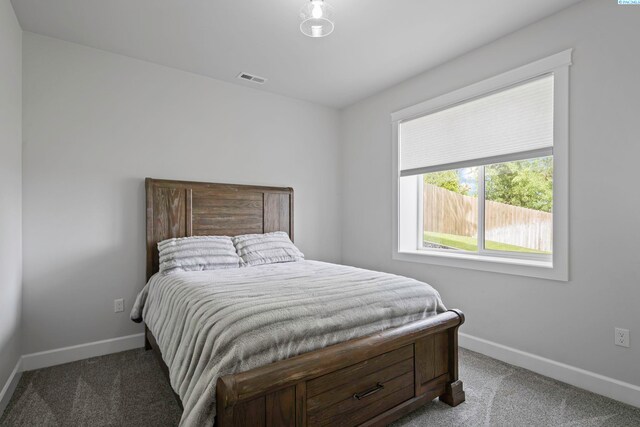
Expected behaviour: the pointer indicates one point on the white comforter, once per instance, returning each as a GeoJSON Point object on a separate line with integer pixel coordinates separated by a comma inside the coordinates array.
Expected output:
{"type": "Point", "coordinates": [213, 323]}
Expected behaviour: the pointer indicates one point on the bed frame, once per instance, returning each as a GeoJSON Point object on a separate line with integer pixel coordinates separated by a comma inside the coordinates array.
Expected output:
{"type": "Point", "coordinates": [366, 381]}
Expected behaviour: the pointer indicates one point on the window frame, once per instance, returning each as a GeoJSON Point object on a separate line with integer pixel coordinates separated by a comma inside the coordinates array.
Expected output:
{"type": "Point", "coordinates": [408, 248]}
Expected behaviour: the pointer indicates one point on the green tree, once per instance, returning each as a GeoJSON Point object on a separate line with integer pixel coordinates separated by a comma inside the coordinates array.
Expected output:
{"type": "Point", "coordinates": [525, 183]}
{"type": "Point", "coordinates": [448, 180]}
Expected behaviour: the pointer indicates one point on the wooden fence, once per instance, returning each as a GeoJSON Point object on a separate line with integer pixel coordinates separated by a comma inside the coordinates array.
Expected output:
{"type": "Point", "coordinates": [452, 213]}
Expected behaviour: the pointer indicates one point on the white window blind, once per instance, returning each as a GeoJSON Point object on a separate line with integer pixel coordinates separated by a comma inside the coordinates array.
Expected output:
{"type": "Point", "coordinates": [517, 121]}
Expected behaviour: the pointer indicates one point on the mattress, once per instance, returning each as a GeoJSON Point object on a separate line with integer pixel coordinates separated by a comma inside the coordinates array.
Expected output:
{"type": "Point", "coordinates": [212, 323]}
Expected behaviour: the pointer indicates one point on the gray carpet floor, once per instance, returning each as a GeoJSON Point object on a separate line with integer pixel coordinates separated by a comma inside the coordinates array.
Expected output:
{"type": "Point", "coordinates": [128, 389]}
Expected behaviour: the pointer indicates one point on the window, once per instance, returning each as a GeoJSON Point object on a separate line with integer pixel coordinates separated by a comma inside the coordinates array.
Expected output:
{"type": "Point", "coordinates": [515, 202]}
{"type": "Point", "coordinates": [480, 175]}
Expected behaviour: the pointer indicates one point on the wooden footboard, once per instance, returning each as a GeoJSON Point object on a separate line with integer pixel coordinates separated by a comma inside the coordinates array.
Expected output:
{"type": "Point", "coordinates": [368, 381]}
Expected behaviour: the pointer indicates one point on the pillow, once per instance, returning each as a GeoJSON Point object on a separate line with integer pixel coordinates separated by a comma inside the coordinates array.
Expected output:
{"type": "Point", "coordinates": [268, 248]}
{"type": "Point", "coordinates": [197, 253]}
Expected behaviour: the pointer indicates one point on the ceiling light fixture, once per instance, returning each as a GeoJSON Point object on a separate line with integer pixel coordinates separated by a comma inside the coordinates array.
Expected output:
{"type": "Point", "coordinates": [317, 19]}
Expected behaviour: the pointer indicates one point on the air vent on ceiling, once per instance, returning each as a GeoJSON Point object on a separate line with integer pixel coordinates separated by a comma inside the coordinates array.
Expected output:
{"type": "Point", "coordinates": [251, 78]}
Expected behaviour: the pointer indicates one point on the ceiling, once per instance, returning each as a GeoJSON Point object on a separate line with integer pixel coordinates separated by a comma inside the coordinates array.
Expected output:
{"type": "Point", "coordinates": [376, 43]}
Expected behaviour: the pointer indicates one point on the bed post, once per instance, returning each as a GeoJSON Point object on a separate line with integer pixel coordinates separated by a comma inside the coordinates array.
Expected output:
{"type": "Point", "coordinates": [147, 344]}
{"type": "Point", "coordinates": [454, 394]}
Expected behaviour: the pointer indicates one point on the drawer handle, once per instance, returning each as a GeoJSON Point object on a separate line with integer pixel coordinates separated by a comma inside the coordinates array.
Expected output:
{"type": "Point", "coordinates": [369, 392]}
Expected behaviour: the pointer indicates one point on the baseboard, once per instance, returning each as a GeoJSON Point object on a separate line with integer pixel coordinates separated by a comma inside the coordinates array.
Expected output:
{"type": "Point", "coordinates": [10, 386]}
{"type": "Point", "coordinates": [596, 383]}
{"type": "Point", "coordinates": [59, 356]}
{"type": "Point", "coordinates": [581, 378]}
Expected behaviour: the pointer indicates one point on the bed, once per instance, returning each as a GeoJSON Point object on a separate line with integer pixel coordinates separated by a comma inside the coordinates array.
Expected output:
{"type": "Point", "coordinates": [370, 375]}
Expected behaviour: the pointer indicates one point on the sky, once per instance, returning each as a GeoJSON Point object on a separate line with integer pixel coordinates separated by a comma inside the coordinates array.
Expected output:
{"type": "Point", "coordinates": [469, 177]}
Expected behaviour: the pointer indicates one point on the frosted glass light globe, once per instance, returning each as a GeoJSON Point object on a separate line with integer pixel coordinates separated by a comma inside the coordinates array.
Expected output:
{"type": "Point", "coordinates": [316, 19]}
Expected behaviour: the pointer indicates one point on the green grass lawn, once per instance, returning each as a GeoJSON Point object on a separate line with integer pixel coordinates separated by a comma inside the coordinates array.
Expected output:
{"type": "Point", "coordinates": [470, 243]}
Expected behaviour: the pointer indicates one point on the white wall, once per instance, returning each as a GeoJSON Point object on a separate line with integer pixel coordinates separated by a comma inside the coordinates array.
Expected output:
{"type": "Point", "coordinates": [569, 322]}
{"type": "Point", "coordinates": [10, 190]}
{"type": "Point", "coordinates": [95, 125]}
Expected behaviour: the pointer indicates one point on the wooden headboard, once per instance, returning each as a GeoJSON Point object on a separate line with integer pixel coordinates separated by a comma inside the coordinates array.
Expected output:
{"type": "Point", "coordinates": [182, 208]}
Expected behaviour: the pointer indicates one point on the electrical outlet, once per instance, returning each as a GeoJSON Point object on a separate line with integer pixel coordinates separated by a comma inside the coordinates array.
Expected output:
{"type": "Point", "coordinates": [622, 337]}
{"type": "Point", "coordinates": [118, 305]}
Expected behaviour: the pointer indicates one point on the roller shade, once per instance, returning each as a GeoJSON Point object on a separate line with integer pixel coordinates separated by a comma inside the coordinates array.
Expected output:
{"type": "Point", "coordinates": [516, 122]}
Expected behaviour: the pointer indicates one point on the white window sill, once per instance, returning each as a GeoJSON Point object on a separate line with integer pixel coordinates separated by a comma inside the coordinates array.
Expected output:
{"type": "Point", "coordinates": [521, 267]}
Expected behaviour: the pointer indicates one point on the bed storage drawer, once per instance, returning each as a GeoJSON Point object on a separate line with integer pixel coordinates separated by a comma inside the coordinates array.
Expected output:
{"type": "Point", "coordinates": [359, 392]}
